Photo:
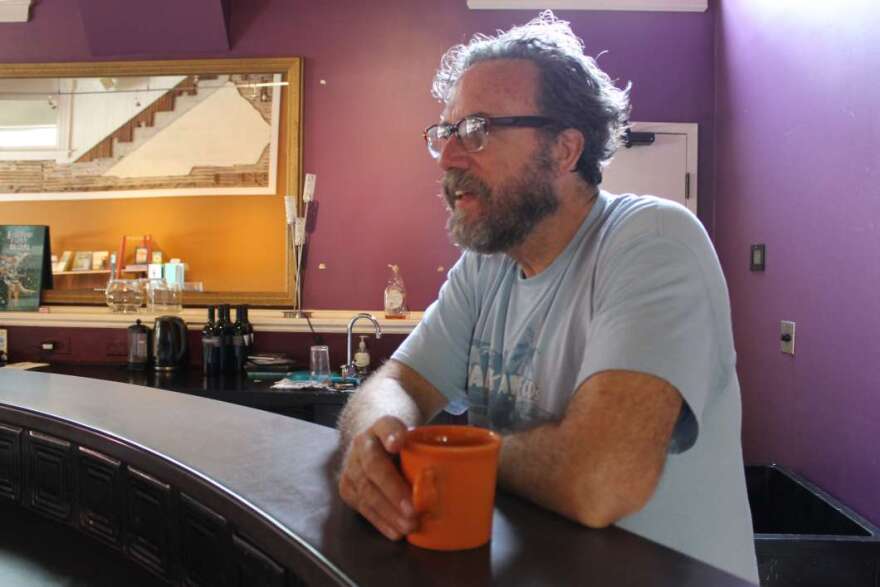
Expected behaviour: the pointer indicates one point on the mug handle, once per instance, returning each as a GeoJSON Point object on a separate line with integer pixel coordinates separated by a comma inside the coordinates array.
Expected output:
{"type": "Point", "coordinates": [425, 491]}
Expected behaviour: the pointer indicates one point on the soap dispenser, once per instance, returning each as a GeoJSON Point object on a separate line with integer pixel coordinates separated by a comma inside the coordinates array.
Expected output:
{"type": "Point", "coordinates": [362, 357]}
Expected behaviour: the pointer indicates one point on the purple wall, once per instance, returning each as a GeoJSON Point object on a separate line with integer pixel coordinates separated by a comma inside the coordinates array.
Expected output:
{"type": "Point", "coordinates": [797, 167]}
{"type": "Point", "coordinates": [376, 185]}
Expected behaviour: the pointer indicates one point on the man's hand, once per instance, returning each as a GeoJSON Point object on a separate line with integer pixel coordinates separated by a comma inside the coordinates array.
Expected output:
{"type": "Point", "coordinates": [371, 482]}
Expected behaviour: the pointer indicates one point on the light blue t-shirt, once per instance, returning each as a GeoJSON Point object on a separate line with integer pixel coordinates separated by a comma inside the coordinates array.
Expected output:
{"type": "Point", "coordinates": [638, 288]}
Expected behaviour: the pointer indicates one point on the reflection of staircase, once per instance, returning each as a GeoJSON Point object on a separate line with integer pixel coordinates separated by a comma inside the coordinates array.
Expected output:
{"type": "Point", "coordinates": [113, 146]}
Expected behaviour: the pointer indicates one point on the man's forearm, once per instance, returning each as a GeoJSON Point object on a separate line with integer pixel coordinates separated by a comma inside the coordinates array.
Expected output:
{"type": "Point", "coordinates": [536, 464]}
{"type": "Point", "coordinates": [603, 460]}
{"type": "Point", "coordinates": [381, 395]}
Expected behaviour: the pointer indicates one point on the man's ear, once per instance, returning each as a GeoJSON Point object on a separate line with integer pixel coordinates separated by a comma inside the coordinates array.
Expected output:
{"type": "Point", "coordinates": [568, 149]}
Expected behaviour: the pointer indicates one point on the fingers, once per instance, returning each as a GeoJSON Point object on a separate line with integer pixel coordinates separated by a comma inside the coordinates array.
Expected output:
{"type": "Point", "coordinates": [371, 483]}
{"type": "Point", "coordinates": [390, 432]}
{"type": "Point", "coordinates": [378, 467]}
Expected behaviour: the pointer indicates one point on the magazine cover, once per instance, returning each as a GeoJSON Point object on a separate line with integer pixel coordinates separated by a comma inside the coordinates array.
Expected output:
{"type": "Point", "coordinates": [24, 267]}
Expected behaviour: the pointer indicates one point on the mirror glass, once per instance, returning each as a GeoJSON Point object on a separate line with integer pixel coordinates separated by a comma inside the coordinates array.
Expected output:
{"type": "Point", "coordinates": [153, 161]}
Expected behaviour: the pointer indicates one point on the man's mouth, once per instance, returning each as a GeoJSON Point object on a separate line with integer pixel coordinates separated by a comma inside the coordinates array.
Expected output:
{"type": "Point", "coordinates": [462, 194]}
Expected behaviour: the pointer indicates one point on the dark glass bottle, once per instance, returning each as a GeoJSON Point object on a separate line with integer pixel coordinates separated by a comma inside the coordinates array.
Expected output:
{"type": "Point", "coordinates": [211, 346]}
{"type": "Point", "coordinates": [248, 329]}
{"type": "Point", "coordinates": [239, 340]}
{"type": "Point", "coordinates": [223, 329]}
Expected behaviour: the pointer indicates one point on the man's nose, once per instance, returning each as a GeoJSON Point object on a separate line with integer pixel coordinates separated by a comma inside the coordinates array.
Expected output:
{"type": "Point", "coordinates": [453, 155]}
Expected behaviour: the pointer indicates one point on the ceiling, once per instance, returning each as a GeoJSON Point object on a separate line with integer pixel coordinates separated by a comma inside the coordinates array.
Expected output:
{"type": "Point", "coordinates": [124, 27]}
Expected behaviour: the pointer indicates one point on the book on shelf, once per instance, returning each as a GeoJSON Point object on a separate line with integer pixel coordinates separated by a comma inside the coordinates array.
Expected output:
{"type": "Point", "coordinates": [82, 261]}
{"type": "Point", "coordinates": [25, 266]}
{"type": "Point", "coordinates": [63, 262]}
{"type": "Point", "coordinates": [99, 260]}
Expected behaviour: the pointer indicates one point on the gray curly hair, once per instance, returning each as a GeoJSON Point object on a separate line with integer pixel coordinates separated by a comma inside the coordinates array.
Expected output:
{"type": "Point", "coordinates": [574, 91]}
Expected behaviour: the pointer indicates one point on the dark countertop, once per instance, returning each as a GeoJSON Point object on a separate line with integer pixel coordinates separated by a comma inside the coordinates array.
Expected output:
{"type": "Point", "coordinates": [283, 471]}
{"type": "Point", "coordinates": [314, 405]}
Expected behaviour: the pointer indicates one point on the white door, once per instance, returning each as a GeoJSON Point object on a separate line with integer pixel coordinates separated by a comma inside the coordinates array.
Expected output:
{"type": "Point", "coordinates": [666, 168]}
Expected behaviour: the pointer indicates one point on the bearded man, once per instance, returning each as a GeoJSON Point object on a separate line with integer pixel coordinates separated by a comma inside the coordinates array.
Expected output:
{"type": "Point", "coordinates": [592, 331]}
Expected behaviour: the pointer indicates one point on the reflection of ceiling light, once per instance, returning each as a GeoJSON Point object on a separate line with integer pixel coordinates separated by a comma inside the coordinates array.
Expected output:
{"type": "Point", "coordinates": [52, 103]}
{"type": "Point", "coordinates": [262, 85]}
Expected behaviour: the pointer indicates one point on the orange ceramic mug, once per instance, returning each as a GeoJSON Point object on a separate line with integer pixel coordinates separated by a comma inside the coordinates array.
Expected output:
{"type": "Point", "coordinates": [452, 471]}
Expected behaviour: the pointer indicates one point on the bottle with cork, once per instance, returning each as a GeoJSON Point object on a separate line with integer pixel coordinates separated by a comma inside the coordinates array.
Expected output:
{"type": "Point", "coordinates": [395, 295]}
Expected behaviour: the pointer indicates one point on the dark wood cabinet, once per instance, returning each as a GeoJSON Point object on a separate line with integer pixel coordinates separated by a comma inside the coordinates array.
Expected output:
{"type": "Point", "coordinates": [204, 545]}
{"type": "Point", "coordinates": [50, 483]}
{"type": "Point", "coordinates": [149, 521]}
{"type": "Point", "coordinates": [253, 568]}
{"type": "Point", "coordinates": [10, 463]}
{"type": "Point", "coordinates": [100, 496]}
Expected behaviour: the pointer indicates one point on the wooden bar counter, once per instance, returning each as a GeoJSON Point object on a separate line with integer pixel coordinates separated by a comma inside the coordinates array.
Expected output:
{"type": "Point", "coordinates": [202, 492]}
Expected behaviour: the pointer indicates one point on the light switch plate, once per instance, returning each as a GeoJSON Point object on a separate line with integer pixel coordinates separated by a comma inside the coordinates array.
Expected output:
{"type": "Point", "coordinates": [786, 337]}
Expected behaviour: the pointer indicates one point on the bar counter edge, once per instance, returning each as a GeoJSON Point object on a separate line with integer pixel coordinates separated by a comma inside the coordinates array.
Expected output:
{"type": "Point", "coordinates": [205, 492]}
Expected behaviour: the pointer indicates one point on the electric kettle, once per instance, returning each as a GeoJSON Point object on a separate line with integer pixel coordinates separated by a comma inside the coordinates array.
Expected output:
{"type": "Point", "coordinates": [169, 343]}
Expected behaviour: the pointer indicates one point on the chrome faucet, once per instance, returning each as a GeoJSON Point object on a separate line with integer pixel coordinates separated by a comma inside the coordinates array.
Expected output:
{"type": "Point", "coordinates": [350, 369]}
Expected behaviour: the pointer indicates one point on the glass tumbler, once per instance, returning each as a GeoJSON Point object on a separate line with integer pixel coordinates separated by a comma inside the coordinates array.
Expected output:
{"type": "Point", "coordinates": [124, 295]}
{"type": "Point", "coordinates": [165, 297]}
{"type": "Point", "coordinates": [319, 364]}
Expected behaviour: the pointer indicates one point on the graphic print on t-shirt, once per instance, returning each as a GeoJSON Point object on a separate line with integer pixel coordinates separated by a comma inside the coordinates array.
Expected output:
{"type": "Point", "coordinates": [502, 392]}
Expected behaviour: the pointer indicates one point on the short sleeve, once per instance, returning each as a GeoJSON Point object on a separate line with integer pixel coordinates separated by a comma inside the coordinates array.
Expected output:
{"type": "Point", "coordinates": [439, 346]}
{"type": "Point", "coordinates": [652, 314]}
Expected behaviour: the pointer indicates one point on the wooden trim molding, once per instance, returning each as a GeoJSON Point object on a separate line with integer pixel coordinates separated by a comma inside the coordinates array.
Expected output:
{"type": "Point", "coordinates": [263, 320]}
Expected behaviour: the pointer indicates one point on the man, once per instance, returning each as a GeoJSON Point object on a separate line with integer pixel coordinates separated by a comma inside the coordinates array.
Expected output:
{"type": "Point", "coordinates": [592, 331]}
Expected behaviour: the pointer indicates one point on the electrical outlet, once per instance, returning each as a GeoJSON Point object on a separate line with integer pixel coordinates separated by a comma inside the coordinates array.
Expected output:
{"type": "Point", "coordinates": [786, 337]}
{"type": "Point", "coordinates": [55, 346]}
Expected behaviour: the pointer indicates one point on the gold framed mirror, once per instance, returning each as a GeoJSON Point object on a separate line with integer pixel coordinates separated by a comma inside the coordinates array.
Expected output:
{"type": "Point", "coordinates": [198, 154]}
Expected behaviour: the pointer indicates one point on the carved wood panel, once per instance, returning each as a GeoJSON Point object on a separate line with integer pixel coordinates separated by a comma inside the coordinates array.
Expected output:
{"type": "Point", "coordinates": [50, 487]}
{"type": "Point", "coordinates": [10, 462]}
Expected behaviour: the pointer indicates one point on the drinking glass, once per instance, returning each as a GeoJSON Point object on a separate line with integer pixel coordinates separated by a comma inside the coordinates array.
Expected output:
{"type": "Point", "coordinates": [164, 297]}
{"type": "Point", "coordinates": [319, 364]}
{"type": "Point", "coordinates": [124, 295]}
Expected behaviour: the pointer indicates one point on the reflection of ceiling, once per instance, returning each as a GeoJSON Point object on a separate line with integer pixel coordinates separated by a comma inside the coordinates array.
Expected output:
{"type": "Point", "coordinates": [27, 113]}
{"type": "Point", "coordinates": [222, 131]}
{"type": "Point", "coordinates": [127, 28]}
{"type": "Point", "coordinates": [14, 10]}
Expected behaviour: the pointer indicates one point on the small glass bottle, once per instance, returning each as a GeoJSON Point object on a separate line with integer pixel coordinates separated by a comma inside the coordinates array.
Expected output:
{"type": "Point", "coordinates": [395, 295]}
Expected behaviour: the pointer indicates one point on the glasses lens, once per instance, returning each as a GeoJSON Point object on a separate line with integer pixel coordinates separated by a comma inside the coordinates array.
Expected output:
{"type": "Point", "coordinates": [472, 133]}
{"type": "Point", "coordinates": [434, 141]}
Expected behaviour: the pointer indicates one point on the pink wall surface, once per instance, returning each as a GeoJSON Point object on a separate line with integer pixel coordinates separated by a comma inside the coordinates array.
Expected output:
{"type": "Point", "coordinates": [368, 69]}
{"type": "Point", "coordinates": [798, 169]}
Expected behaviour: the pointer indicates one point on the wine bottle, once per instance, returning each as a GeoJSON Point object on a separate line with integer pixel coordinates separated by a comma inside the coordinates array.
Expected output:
{"type": "Point", "coordinates": [211, 346]}
{"type": "Point", "coordinates": [239, 340]}
{"type": "Point", "coordinates": [223, 328]}
{"type": "Point", "coordinates": [248, 330]}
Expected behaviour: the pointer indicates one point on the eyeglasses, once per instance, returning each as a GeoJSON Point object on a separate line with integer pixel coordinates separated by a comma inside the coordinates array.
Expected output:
{"type": "Point", "coordinates": [473, 131]}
